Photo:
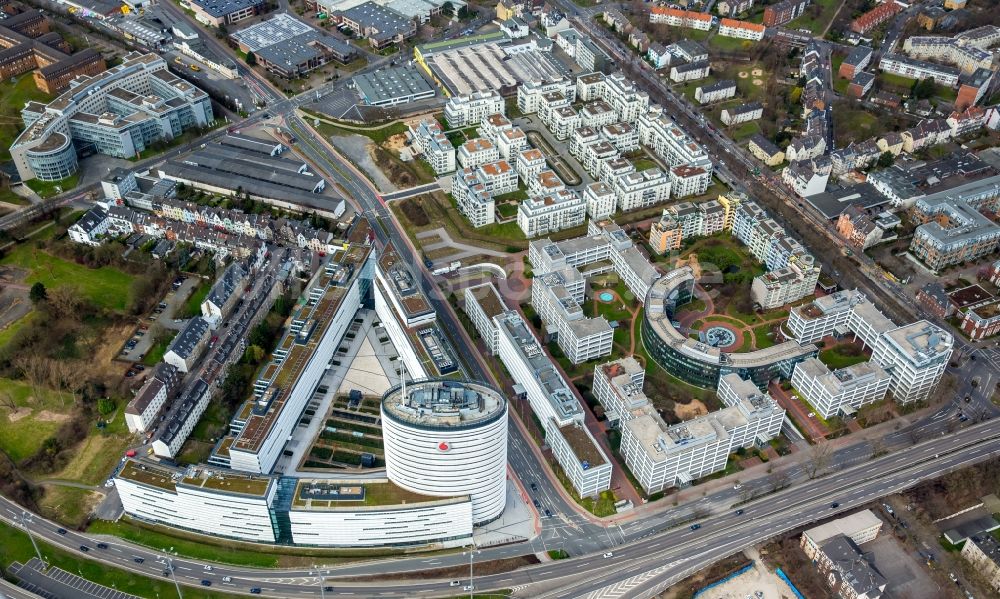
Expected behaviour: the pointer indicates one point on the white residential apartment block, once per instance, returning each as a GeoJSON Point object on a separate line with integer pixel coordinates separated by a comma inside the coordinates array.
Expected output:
{"type": "Point", "coordinates": [911, 68]}
{"type": "Point", "coordinates": [555, 406]}
{"type": "Point", "coordinates": [614, 167]}
{"type": "Point", "coordinates": [476, 152]}
{"type": "Point", "coordinates": [596, 114]}
{"type": "Point", "coordinates": [541, 215]}
{"type": "Point", "coordinates": [511, 143]}
{"type": "Point", "coordinates": [784, 285]}
{"type": "Point", "coordinates": [914, 355]}
{"type": "Point", "coordinates": [600, 199]}
{"type": "Point", "coordinates": [715, 92]}
{"type": "Point", "coordinates": [671, 144]}
{"type": "Point", "coordinates": [966, 57]}
{"type": "Point", "coordinates": [590, 86]}
{"type": "Point", "coordinates": [498, 177]}
{"type": "Point", "coordinates": [545, 183]}
{"type": "Point", "coordinates": [595, 154]}
{"type": "Point", "coordinates": [482, 304]}
{"type": "Point", "coordinates": [744, 113]}
{"type": "Point", "coordinates": [563, 121]}
{"type": "Point", "coordinates": [662, 456]}
{"type": "Point", "coordinates": [473, 199]}
{"type": "Point", "coordinates": [689, 181]}
{"type": "Point", "coordinates": [529, 93]}
{"type": "Point", "coordinates": [142, 412]}
{"type": "Point", "coordinates": [581, 138]}
{"type": "Point", "coordinates": [434, 145]}
{"type": "Point", "coordinates": [842, 391]}
{"type": "Point", "coordinates": [623, 136]}
{"type": "Point", "coordinates": [642, 189]}
{"type": "Point", "coordinates": [530, 162]}
{"type": "Point", "coordinates": [743, 30]}
{"type": "Point", "coordinates": [548, 104]}
{"type": "Point", "coordinates": [493, 125]}
{"type": "Point", "coordinates": [625, 98]}
{"type": "Point", "coordinates": [557, 298]}
{"type": "Point", "coordinates": [466, 110]}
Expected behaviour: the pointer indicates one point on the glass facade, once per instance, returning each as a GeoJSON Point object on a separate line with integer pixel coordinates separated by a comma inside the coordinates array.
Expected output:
{"type": "Point", "coordinates": [54, 165]}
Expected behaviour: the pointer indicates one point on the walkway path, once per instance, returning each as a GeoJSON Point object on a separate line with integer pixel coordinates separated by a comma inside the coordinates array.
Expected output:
{"type": "Point", "coordinates": [447, 241]}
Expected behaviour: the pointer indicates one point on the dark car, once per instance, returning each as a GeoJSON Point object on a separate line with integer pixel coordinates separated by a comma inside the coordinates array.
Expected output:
{"type": "Point", "coordinates": [102, 545]}
{"type": "Point", "coordinates": [206, 583]}
{"type": "Point", "coordinates": [695, 526]}
{"type": "Point", "coordinates": [739, 512]}
{"type": "Point", "coordinates": [255, 590]}
{"type": "Point", "coordinates": [535, 501]}
{"type": "Point", "coordinates": [84, 548]}
{"type": "Point", "coordinates": [534, 487]}
{"type": "Point", "coordinates": [166, 572]}
{"type": "Point", "coordinates": [835, 505]}
{"type": "Point", "coordinates": [327, 589]}
{"type": "Point", "coordinates": [138, 560]}
{"type": "Point", "coordinates": [548, 514]}
{"type": "Point", "coordinates": [61, 531]}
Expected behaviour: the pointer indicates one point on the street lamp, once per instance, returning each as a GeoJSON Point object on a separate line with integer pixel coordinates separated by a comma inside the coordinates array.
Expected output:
{"type": "Point", "coordinates": [25, 519]}
{"type": "Point", "coordinates": [170, 568]}
{"type": "Point", "coordinates": [322, 581]}
{"type": "Point", "coordinates": [472, 585]}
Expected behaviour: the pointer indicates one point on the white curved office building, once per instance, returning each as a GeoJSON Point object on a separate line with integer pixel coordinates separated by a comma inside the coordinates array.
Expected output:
{"type": "Point", "coordinates": [447, 438]}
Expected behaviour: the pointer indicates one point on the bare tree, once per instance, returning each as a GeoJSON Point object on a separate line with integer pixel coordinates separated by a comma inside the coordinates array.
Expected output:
{"type": "Point", "coordinates": [65, 302]}
{"type": "Point", "coordinates": [778, 480]}
{"type": "Point", "coordinates": [819, 459]}
{"type": "Point", "coordinates": [7, 401]}
{"type": "Point", "coordinates": [877, 447]}
{"type": "Point", "coordinates": [33, 369]}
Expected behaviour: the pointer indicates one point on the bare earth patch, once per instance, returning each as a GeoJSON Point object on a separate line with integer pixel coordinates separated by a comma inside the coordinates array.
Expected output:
{"type": "Point", "coordinates": [690, 410]}
{"type": "Point", "coordinates": [47, 416]}
{"type": "Point", "coordinates": [744, 74]}
{"type": "Point", "coordinates": [395, 143]}
{"type": "Point", "coordinates": [758, 82]}
{"type": "Point", "coordinates": [18, 414]}
{"type": "Point", "coordinates": [758, 72]}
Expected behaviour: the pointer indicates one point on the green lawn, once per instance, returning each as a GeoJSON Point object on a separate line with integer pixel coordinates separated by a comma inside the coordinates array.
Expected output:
{"type": "Point", "coordinates": [730, 44]}
{"type": "Point", "coordinates": [192, 549]}
{"type": "Point", "coordinates": [836, 357]}
{"type": "Point", "coordinates": [47, 189]}
{"type": "Point", "coordinates": [744, 130]}
{"type": "Point", "coordinates": [503, 232]}
{"type": "Point", "coordinates": [15, 94]}
{"type": "Point", "coordinates": [36, 420]}
{"type": "Point", "coordinates": [904, 83]}
{"type": "Point", "coordinates": [642, 164]}
{"type": "Point", "coordinates": [17, 547]}
{"type": "Point", "coordinates": [507, 210]}
{"type": "Point", "coordinates": [857, 125]}
{"type": "Point", "coordinates": [107, 287]}
{"type": "Point", "coordinates": [761, 335]}
{"type": "Point", "coordinates": [192, 307]}
{"type": "Point", "coordinates": [817, 24]}
{"type": "Point", "coordinates": [8, 333]}
{"type": "Point", "coordinates": [155, 353]}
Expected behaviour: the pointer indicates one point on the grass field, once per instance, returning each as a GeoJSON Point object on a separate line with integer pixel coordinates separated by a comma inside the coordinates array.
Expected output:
{"type": "Point", "coordinates": [729, 44]}
{"type": "Point", "coordinates": [898, 81]}
{"type": "Point", "coordinates": [97, 455]}
{"type": "Point", "coordinates": [107, 287]}
{"type": "Point", "coordinates": [47, 189]}
{"type": "Point", "coordinates": [819, 23]}
{"type": "Point", "coordinates": [155, 354]}
{"type": "Point", "coordinates": [836, 357]}
{"type": "Point", "coordinates": [192, 307]}
{"type": "Point", "coordinates": [8, 333]}
{"type": "Point", "coordinates": [17, 547]}
{"type": "Point", "coordinates": [36, 419]}
{"type": "Point", "coordinates": [68, 505]}
{"type": "Point", "coordinates": [642, 164]}
{"type": "Point", "coordinates": [14, 97]}
{"type": "Point", "coordinates": [745, 130]}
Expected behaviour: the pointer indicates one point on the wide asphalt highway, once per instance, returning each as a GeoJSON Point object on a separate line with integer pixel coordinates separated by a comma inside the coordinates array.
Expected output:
{"type": "Point", "coordinates": [637, 569]}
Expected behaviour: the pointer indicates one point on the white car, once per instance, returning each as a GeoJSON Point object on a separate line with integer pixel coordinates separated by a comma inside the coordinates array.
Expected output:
{"type": "Point", "coordinates": [737, 486]}
{"type": "Point", "coordinates": [454, 583]}
{"type": "Point", "coordinates": [208, 568]}
{"type": "Point", "coordinates": [608, 554]}
{"type": "Point", "coordinates": [227, 579]}
{"type": "Point", "coordinates": [468, 587]}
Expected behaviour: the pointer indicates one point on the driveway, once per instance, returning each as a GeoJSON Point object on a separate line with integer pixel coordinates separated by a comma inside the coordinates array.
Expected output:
{"type": "Point", "coordinates": [175, 301]}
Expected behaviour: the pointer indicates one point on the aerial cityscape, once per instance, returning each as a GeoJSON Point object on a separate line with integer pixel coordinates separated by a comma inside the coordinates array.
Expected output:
{"type": "Point", "coordinates": [500, 299]}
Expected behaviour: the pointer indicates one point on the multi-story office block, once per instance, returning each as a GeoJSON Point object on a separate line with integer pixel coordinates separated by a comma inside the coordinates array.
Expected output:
{"type": "Point", "coordinates": [483, 303]}
{"type": "Point", "coordinates": [917, 355]}
{"type": "Point", "coordinates": [662, 456]}
{"type": "Point", "coordinates": [642, 189]}
{"type": "Point", "coordinates": [466, 110]}
{"type": "Point", "coordinates": [476, 152]}
{"type": "Point", "coordinates": [557, 298]}
{"type": "Point", "coordinates": [600, 199]}
{"type": "Point", "coordinates": [541, 215]}
{"type": "Point", "coordinates": [434, 144]}
{"type": "Point", "coordinates": [552, 401]}
{"type": "Point", "coordinates": [285, 385]}
{"type": "Point", "coordinates": [119, 112]}
{"type": "Point", "coordinates": [842, 391]}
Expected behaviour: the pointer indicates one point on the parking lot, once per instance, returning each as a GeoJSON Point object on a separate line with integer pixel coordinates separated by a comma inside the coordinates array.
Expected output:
{"type": "Point", "coordinates": [906, 575]}
{"type": "Point", "coordinates": [138, 345]}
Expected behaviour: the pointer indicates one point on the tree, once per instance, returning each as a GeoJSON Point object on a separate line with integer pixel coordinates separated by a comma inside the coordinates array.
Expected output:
{"type": "Point", "coordinates": [251, 59]}
{"type": "Point", "coordinates": [65, 302]}
{"type": "Point", "coordinates": [819, 459]}
{"type": "Point", "coordinates": [254, 354]}
{"type": "Point", "coordinates": [778, 480]}
{"type": "Point", "coordinates": [886, 160]}
{"type": "Point", "coordinates": [924, 88]}
{"type": "Point", "coordinates": [105, 406]}
{"type": "Point", "coordinates": [37, 293]}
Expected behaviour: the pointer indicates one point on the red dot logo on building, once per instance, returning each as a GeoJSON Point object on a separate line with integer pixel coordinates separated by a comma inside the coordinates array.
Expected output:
{"type": "Point", "coordinates": [443, 446]}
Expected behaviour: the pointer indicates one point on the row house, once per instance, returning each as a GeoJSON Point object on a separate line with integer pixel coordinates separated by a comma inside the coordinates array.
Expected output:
{"type": "Point", "coordinates": [676, 17]}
